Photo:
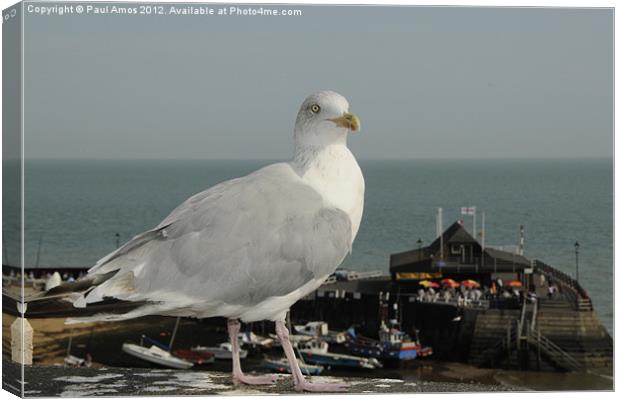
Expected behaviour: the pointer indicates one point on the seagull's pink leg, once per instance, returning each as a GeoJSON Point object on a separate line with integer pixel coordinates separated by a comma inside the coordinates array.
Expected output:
{"type": "Point", "coordinates": [237, 375]}
{"type": "Point", "coordinates": [298, 379]}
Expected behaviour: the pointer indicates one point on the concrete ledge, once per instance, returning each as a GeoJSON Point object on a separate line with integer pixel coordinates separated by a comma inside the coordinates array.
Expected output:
{"type": "Point", "coordinates": [59, 381]}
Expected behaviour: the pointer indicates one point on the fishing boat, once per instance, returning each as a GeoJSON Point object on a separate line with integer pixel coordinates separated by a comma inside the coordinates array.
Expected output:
{"type": "Point", "coordinates": [156, 355]}
{"type": "Point", "coordinates": [221, 352]}
{"type": "Point", "coordinates": [317, 352]}
{"type": "Point", "coordinates": [393, 344]}
{"type": "Point", "coordinates": [282, 366]}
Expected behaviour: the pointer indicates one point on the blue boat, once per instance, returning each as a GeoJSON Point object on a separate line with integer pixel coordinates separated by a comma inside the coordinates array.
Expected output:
{"type": "Point", "coordinates": [282, 366]}
{"type": "Point", "coordinates": [319, 354]}
{"type": "Point", "coordinates": [393, 344]}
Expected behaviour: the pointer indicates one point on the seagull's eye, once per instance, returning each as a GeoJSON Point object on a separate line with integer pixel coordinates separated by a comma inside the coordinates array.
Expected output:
{"type": "Point", "coordinates": [315, 108]}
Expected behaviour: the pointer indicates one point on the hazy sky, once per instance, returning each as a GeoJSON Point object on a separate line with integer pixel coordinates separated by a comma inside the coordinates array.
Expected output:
{"type": "Point", "coordinates": [425, 82]}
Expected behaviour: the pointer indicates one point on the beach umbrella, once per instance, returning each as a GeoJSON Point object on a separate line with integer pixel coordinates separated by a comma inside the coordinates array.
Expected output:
{"type": "Point", "coordinates": [428, 283]}
{"type": "Point", "coordinates": [514, 284]}
{"type": "Point", "coordinates": [470, 283]}
{"type": "Point", "coordinates": [449, 282]}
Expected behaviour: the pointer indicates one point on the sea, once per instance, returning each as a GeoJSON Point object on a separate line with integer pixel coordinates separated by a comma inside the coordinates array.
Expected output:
{"type": "Point", "coordinates": [77, 211]}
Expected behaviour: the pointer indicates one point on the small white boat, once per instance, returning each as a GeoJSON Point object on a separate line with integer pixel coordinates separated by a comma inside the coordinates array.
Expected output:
{"type": "Point", "coordinates": [312, 328]}
{"type": "Point", "coordinates": [156, 355]}
{"type": "Point", "coordinates": [222, 351]}
{"type": "Point", "coordinates": [282, 366]}
{"type": "Point", "coordinates": [296, 339]}
{"type": "Point", "coordinates": [74, 361]}
{"type": "Point", "coordinates": [315, 346]}
{"type": "Point", "coordinates": [251, 339]}
{"type": "Point", "coordinates": [320, 330]}
{"type": "Point", "coordinates": [317, 352]}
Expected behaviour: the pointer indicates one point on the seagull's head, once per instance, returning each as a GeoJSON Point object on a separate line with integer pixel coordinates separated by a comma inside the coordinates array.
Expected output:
{"type": "Point", "coordinates": [324, 119]}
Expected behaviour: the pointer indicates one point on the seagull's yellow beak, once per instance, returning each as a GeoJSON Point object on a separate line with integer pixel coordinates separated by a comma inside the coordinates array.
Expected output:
{"type": "Point", "coordinates": [348, 121]}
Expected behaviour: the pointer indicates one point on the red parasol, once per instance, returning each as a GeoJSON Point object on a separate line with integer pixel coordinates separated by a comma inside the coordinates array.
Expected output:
{"type": "Point", "coordinates": [428, 283]}
{"type": "Point", "coordinates": [449, 282]}
{"type": "Point", "coordinates": [470, 284]}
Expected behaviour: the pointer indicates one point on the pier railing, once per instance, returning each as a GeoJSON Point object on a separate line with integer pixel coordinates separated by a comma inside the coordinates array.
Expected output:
{"type": "Point", "coordinates": [456, 302]}
{"type": "Point", "coordinates": [502, 348]}
{"type": "Point", "coordinates": [480, 264]}
{"type": "Point", "coordinates": [556, 354]}
{"type": "Point", "coordinates": [534, 316]}
{"type": "Point", "coordinates": [492, 303]}
{"type": "Point", "coordinates": [569, 286]}
{"type": "Point", "coordinates": [524, 332]}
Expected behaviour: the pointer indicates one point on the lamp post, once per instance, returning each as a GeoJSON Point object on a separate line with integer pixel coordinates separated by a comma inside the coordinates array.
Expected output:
{"type": "Point", "coordinates": [419, 242]}
{"type": "Point", "coordinates": [577, 260]}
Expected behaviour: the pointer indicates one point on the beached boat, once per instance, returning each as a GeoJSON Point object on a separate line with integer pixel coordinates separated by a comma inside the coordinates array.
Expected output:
{"type": "Point", "coordinates": [317, 352]}
{"type": "Point", "coordinates": [221, 352]}
{"type": "Point", "coordinates": [255, 341]}
{"type": "Point", "coordinates": [190, 355]}
{"type": "Point", "coordinates": [282, 366]}
{"type": "Point", "coordinates": [74, 361]}
{"type": "Point", "coordinates": [296, 340]}
{"type": "Point", "coordinates": [393, 344]}
{"type": "Point", "coordinates": [156, 355]}
{"type": "Point", "coordinates": [320, 330]}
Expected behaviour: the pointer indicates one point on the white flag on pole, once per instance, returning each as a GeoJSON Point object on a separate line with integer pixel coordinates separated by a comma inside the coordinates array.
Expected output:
{"type": "Point", "coordinates": [468, 210]}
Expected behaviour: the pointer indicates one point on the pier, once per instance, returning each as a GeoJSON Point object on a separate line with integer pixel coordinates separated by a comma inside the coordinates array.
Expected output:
{"type": "Point", "coordinates": [546, 322]}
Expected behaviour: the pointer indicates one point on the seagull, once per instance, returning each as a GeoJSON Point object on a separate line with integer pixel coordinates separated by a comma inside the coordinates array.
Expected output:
{"type": "Point", "coordinates": [248, 248]}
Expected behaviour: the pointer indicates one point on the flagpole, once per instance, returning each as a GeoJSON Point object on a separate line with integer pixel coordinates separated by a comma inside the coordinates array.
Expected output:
{"type": "Point", "coordinates": [440, 225]}
{"type": "Point", "coordinates": [475, 210]}
{"type": "Point", "coordinates": [483, 233]}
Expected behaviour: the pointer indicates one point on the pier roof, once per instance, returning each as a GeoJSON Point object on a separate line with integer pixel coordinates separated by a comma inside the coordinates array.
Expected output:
{"type": "Point", "coordinates": [462, 253]}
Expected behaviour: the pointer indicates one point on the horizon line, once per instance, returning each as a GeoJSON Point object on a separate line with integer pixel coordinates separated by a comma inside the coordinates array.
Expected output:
{"type": "Point", "coordinates": [526, 158]}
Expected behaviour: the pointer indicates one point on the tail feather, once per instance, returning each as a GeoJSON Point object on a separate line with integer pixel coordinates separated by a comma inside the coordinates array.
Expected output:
{"type": "Point", "coordinates": [69, 289]}
{"type": "Point", "coordinates": [68, 300]}
{"type": "Point", "coordinates": [61, 307]}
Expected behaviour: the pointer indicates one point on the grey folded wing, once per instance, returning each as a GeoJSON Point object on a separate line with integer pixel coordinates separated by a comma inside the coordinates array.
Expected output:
{"type": "Point", "coordinates": [240, 242]}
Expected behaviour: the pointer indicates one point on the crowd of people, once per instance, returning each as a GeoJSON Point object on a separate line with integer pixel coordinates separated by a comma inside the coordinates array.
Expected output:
{"type": "Point", "coordinates": [462, 295]}
{"type": "Point", "coordinates": [467, 295]}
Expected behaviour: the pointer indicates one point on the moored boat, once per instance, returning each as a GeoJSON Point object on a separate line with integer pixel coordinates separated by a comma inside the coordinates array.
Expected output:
{"type": "Point", "coordinates": [282, 366]}
{"type": "Point", "coordinates": [74, 361]}
{"type": "Point", "coordinates": [155, 354]}
{"type": "Point", "coordinates": [254, 340]}
{"type": "Point", "coordinates": [320, 330]}
{"type": "Point", "coordinates": [393, 344]}
{"type": "Point", "coordinates": [222, 352]}
{"type": "Point", "coordinates": [201, 357]}
{"type": "Point", "coordinates": [317, 352]}
{"type": "Point", "coordinates": [296, 340]}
